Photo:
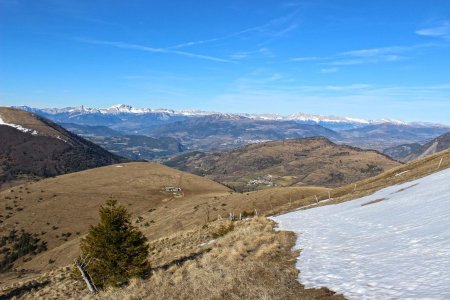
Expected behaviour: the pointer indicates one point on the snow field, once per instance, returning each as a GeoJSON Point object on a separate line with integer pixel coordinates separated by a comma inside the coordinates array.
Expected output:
{"type": "Point", "coordinates": [396, 248]}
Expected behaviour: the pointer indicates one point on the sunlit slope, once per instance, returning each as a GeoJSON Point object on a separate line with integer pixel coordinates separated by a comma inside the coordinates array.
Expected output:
{"type": "Point", "coordinates": [59, 210]}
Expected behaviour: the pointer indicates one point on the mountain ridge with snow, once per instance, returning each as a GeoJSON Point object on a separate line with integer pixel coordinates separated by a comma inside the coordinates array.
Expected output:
{"type": "Point", "coordinates": [300, 116]}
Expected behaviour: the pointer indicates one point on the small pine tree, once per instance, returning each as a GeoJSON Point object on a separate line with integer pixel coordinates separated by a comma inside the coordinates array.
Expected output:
{"type": "Point", "coordinates": [116, 249]}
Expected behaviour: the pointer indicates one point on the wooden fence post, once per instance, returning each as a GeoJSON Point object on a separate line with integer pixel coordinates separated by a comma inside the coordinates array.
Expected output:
{"type": "Point", "coordinates": [440, 163]}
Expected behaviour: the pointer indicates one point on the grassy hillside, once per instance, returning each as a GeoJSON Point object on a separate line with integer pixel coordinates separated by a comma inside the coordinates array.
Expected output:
{"type": "Point", "coordinates": [190, 248]}
{"type": "Point", "coordinates": [59, 210]}
{"type": "Point", "coordinates": [298, 162]}
{"type": "Point", "coordinates": [188, 253]}
{"type": "Point", "coordinates": [46, 150]}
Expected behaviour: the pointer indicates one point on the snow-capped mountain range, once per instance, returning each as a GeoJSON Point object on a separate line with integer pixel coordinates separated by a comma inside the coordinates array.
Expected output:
{"type": "Point", "coordinates": [225, 130]}
{"type": "Point", "coordinates": [162, 113]}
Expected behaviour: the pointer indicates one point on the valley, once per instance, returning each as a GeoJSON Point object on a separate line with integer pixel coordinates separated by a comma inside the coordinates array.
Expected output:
{"type": "Point", "coordinates": [193, 209]}
{"type": "Point", "coordinates": [132, 146]}
{"type": "Point", "coordinates": [212, 131]}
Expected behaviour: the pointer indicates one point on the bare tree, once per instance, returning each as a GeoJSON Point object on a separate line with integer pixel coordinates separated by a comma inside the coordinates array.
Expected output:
{"type": "Point", "coordinates": [81, 263]}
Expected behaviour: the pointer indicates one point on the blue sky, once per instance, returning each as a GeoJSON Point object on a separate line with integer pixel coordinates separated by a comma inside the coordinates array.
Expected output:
{"type": "Point", "coordinates": [370, 59]}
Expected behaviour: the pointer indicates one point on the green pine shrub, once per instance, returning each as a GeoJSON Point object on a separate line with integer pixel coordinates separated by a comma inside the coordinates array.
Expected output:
{"type": "Point", "coordinates": [117, 251]}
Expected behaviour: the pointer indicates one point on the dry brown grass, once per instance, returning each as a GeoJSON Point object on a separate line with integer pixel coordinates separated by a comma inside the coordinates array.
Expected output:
{"type": "Point", "coordinates": [252, 261]}
{"type": "Point", "coordinates": [69, 204]}
{"type": "Point", "coordinates": [373, 201]}
{"type": "Point", "coordinates": [175, 235]}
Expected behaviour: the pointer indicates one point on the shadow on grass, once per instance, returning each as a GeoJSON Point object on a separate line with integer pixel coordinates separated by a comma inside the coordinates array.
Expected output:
{"type": "Point", "coordinates": [23, 289]}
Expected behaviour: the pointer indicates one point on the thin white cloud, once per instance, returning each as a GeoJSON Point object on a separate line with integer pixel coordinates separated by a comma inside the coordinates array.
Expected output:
{"type": "Point", "coordinates": [285, 30]}
{"type": "Point", "coordinates": [307, 58]}
{"type": "Point", "coordinates": [271, 28]}
{"type": "Point", "coordinates": [347, 62]}
{"type": "Point", "coordinates": [257, 83]}
{"type": "Point", "coordinates": [329, 70]}
{"type": "Point", "coordinates": [367, 60]}
{"type": "Point", "coordinates": [375, 55]}
{"type": "Point", "coordinates": [261, 52]}
{"type": "Point", "coordinates": [366, 56]}
{"type": "Point", "coordinates": [154, 50]}
{"type": "Point", "coordinates": [442, 30]}
{"type": "Point", "coordinates": [193, 43]}
{"type": "Point", "coordinates": [347, 88]}
{"type": "Point", "coordinates": [385, 51]}
{"type": "Point", "coordinates": [372, 52]}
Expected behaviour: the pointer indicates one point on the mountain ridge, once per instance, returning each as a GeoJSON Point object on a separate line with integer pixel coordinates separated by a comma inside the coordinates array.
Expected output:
{"type": "Point", "coordinates": [233, 130]}
{"type": "Point", "coordinates": [299, 116]}
{"type": "Point", "coordinates": [410, 152]}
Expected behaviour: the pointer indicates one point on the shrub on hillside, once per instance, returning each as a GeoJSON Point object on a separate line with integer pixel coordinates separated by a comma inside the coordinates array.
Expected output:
{"type": "Point", "coordinates": [117, 250]}
{"type": "Point", "coordinates": [223, 230]}
{"type": "Point", "coordinates": [13, 246]}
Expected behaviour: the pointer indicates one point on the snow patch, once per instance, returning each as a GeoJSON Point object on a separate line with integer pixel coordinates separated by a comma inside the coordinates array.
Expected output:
{"type": "Point", "coordinates": [61, 139]}
{"type": "Point", "coordinates": [19, 127]}
{"type": "Point", "coordinates": [398, 248]}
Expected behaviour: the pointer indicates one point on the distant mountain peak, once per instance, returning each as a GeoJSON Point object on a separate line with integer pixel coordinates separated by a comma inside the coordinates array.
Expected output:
{"type": "Point", "coordinates": [319, 118]}
{"type": "Point", "coordinates": [391, 121]}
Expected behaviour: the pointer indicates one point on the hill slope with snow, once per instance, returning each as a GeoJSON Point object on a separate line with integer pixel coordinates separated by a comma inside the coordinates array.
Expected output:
{"type": "Point", "coordinates": [33, 147]}
{"type": "Point", "coordinates": [393, 244]}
